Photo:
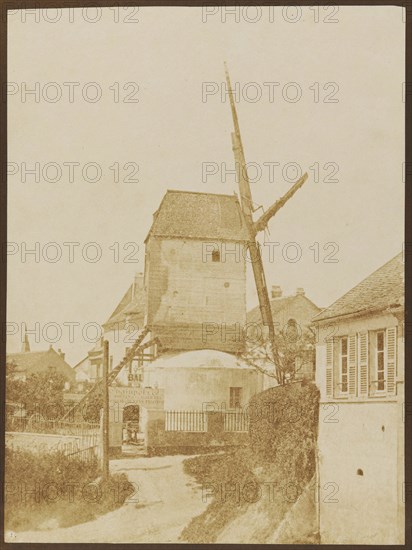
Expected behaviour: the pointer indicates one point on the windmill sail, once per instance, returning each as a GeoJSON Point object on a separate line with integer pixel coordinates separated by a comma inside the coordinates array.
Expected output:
{"type": "Point", "coordinates": [247, 209]}
{"type": "Point", "coordinates": [253, 228]}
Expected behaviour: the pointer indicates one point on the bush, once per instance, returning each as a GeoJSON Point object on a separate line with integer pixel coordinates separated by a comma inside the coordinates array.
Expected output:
{"type": "Point", "coordinates": [225, 475]}
{"type": "Point", "coordinates": [51, 490]}
{"type": "Point", "coordinates": [283, 429]}
{"type": "Point", "coordinates": [283, 434]}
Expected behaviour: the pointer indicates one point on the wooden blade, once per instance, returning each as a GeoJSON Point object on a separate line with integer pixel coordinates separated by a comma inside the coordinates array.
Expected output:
{"type": "Point", "coordinates": [246, 203]}
{"type": "Point", "coordinates": [262, 222]}
{"type": "Point", "coordinates": [253, 245]}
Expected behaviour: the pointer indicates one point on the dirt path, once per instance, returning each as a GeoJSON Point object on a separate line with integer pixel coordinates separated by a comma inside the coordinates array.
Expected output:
{"type": "Point", "coordinates": [166, 501]}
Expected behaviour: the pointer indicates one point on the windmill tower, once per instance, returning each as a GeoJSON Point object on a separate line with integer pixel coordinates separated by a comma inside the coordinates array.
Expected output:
{"type": "Point", "coordinates": [254, 227]}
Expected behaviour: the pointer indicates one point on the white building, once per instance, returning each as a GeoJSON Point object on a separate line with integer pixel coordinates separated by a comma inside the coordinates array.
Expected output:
{"type": "Point", "coordinates": [121, 330]}
{"type": "Point", "coordinates": [360, 373]}
{"type": "Point", "coordinates": [202, 380]}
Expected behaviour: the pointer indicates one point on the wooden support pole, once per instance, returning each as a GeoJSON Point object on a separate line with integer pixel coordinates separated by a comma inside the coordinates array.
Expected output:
{"type": "Point", "coordinates": [105, 431]}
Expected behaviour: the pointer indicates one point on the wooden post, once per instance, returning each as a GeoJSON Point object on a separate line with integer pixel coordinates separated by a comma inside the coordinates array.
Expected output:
{"type": "Point", "coordinates": [105, 434]}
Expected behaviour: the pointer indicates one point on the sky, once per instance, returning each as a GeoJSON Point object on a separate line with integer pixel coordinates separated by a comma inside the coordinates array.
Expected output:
{"type": "Point", "coordinates": [146, 111]}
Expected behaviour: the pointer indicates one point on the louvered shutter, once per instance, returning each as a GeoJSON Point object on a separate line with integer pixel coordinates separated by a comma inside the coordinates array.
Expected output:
{"type": "Point", "coordinates": [352, 364]}
{"type": "Point", "coordinates": [329, 367]}
{"type": "Point", "coordinates": [391, 360]}
{"type": "Point", "coordinates": [363, 364]}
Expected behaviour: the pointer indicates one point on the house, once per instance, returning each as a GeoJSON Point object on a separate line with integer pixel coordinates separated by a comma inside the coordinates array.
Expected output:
{"type": "Point", "coordinates": [86, 372]}
{"type": "Point", "coordinates": [195, 272]}
{"type": "Point", "coordinates": [360, 374]}
{"type": "Point", "coordinates": [292, 316]}
{"type": "Point", "coordinates": [34, 362]}
{"type": "Point", "coordinates": [202, 378]}
{"type": "Point", "coordinates": [124, 324]}
{"type": "Point", "coordinates": [120, 330]}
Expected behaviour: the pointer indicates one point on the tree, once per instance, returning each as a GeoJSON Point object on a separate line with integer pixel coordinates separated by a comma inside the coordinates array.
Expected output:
{"type": "Point", "coordinates": [14, 385]}
{"type": "Point", "coordinates": [41, 393]}
{"type": "Point", "coordinates": [44, 393]}
{"type": "Point", "coordinates": [295, 347]}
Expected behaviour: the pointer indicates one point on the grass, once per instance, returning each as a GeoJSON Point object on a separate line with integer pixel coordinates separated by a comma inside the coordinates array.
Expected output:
{"type": "Point", "coordinates": [49, 491]}
{"type": "Point", "coordinates": [224, 475]}
{"type": "Point", "coordinates": [279, 459]}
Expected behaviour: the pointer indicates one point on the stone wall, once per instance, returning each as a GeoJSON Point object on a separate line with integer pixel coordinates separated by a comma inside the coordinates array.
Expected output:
{"type": "Point", "coordinates": [42, 443]}
{"type": "Point", "coordinates": [186, 290]}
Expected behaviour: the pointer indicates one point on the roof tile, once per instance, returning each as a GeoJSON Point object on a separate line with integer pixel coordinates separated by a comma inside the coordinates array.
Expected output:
{"type": "Point", "coordinates": [200, 216]}
{"type": "Point", "coordinates": [382, 289]}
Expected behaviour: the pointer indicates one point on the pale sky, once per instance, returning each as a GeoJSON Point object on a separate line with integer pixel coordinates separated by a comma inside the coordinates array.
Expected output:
{"type": "Point", "coordinates": [170, 53]}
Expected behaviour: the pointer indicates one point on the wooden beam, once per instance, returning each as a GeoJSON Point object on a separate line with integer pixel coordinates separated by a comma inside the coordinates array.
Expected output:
{"type": "Point", "coordinates": [264, 219]}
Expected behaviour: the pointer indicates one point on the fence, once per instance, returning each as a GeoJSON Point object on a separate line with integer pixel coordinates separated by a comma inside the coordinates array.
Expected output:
{"type": "Point", "coordinates": [36, 424]}
{"type": "Point", "coordinates": [196, 421]}
{"type": "Point", "coordinates": [236, 422]}
{"type": "Point", "coordinates": [87, 454]}
{"type": "Point", "coordinates": [186, 421]}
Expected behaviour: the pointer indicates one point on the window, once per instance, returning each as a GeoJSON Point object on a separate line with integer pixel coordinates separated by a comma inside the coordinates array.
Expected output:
{"type": "Point", "coordinates": [380, 361]}
{"type": "Point", "coordinates": [215, 256]}
{"type": "Point", "coordinates": [343, 365]}
{"type": "Point", "coordinates": [292, 331]}
{"type": "Point", "coordinates": [235, 398]}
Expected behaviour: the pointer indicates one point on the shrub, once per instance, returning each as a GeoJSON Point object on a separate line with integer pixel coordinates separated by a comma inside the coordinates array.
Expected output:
{"type": "Point", "coordinates": [283, 429]}
{"type": "Point", "coordinates": [226, 475]}
{"type": "Point", "coordinates": [53, 490]}
{"type": "Point", "coordinates": [283, 434]}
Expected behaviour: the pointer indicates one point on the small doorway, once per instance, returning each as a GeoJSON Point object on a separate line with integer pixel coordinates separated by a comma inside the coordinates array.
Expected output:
{"type": "Point", "coordinates": [131, 424]}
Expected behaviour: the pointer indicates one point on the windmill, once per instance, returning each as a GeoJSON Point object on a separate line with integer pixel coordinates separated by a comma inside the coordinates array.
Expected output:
{"type": "Point", "coordinates": [254, 227]}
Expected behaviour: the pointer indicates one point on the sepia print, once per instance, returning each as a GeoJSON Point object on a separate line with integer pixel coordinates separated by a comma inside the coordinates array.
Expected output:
{"type": "Point", "coordinates": [205, 275]}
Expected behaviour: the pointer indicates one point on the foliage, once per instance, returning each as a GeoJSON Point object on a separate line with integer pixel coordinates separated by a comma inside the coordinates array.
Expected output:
{"type": "Point", "coordinates": [283, 433]}
{"type": "Point", "coordinates": [14, 385]}
{"type": "Point", "coordinates": [283, 429]}
{"type": "Point", "coordinates": [217, 473]}
{"type": "Point", "coordinates": [51, 489]}
{"type": "Point", "coordinates": [283, 359]}
{"type": "Point", "coordinates": [94, 404]}
{"type": "Point", "coordinates": [40, 393]}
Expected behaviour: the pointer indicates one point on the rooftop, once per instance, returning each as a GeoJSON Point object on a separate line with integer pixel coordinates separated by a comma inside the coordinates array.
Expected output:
{"type": "Point", "coordinates": [130, 308]}
{"type": "Point", "coordinates": [36, 361]}
{"type": "Point", "coordinates": [200, 216]}
{"type": "Point", "coordinates": [203, 358]}
{"type": "Point", "coordinates": [383, 289]}
{"type": "Point", "coordinates": [277, 305]}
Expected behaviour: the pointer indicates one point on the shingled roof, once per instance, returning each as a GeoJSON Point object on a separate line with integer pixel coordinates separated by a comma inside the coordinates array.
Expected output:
{"type": "Point", "coordinates": [199, 216]}
{"type": "Point", "coordinates": [33, 362]}
{"type": "Point", "coordinates": [131, 307]}
{"type": "Point", "coordinates": [286, 303]}
{"type": "Point", "coordinates": [381, 290]}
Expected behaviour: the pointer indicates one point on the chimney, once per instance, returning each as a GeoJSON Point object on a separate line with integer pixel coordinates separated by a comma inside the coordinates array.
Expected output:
{"type": "Point", "coordinates": [276, 291]}
{"type": "Point", "coordinates": [300, 291]}
{"type": "Point", "coordinates": [61, 353]}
